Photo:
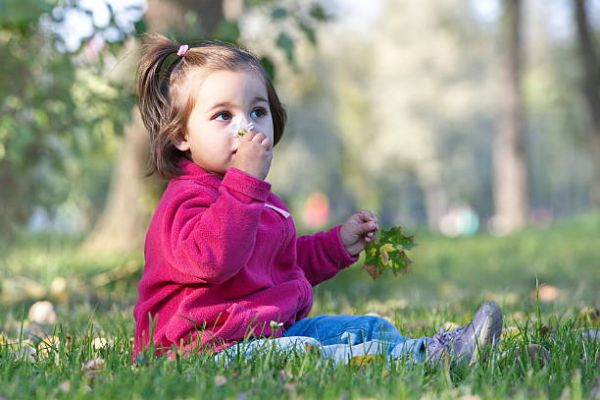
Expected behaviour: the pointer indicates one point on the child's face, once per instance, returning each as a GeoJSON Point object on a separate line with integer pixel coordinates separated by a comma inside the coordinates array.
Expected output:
{"type": "Point", "coordinates": [222, 99]}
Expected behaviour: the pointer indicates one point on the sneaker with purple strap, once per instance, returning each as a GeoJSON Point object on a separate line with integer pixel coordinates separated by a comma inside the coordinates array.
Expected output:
{"type": "Point", "coordinates": [468, 342]}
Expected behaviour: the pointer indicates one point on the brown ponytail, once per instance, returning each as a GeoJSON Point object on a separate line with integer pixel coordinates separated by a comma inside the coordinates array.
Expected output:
{"type": "Point", "coordinates": [163, 106]}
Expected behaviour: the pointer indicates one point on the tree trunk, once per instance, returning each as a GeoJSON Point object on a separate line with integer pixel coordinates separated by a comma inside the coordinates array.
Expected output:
{"type": "Point", "coordinates": [123, 222]}
{"type": "Point", "coordinates": [590, 86]}
{"type": "Point", "coordinates": [435, 196]}
{"type": "Point", "coordinates": [510, 170]}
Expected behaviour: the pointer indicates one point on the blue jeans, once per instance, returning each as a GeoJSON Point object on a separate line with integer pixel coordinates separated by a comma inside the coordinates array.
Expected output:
{"type": "Point", "coordinates": [340, 338]}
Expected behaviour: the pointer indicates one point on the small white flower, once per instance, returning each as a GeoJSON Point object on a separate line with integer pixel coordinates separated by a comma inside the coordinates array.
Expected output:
{"type": "Point", "coordinates": [275, 325]}
{"type": "Point", "coordinates": [239, 127]}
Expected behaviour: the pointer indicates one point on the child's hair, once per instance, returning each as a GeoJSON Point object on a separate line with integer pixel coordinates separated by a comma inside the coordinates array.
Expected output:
{"type": "Point", "coordinates": [166, 103]}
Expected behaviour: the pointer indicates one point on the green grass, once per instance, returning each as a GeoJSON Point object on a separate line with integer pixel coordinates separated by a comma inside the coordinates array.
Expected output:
{"type": "Point", "coordinates": [450, 277]}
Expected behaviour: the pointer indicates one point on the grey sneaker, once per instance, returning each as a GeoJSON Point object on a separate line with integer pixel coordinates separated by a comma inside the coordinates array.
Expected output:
{"type": "Point", "coordinates": [466, 343]}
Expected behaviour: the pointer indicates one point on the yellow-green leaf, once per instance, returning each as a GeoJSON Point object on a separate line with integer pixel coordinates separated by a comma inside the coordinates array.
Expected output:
{"type": "Point", "coordinates": [388, 251]}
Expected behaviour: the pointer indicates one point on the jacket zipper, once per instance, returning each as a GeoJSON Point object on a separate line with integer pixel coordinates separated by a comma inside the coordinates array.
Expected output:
{"type": "Point", "coordinates": [281, 211]}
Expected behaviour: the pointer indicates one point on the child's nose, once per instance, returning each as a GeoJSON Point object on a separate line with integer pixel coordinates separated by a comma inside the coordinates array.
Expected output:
{"type": "Point", "coordinates": [239, 127]}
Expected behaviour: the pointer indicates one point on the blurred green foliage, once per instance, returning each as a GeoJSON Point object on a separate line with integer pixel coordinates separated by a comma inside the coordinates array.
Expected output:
{"type": "Point", "coordinates": [445, 270]}
{"type": "Point", "coordinates": [565, 256]}
{"type": "Point", "coordinates": [58, 118]}
{"type": "Point", "coordinates": [60, 114]}
{"type": "Point", "coordinates": [431, 93]}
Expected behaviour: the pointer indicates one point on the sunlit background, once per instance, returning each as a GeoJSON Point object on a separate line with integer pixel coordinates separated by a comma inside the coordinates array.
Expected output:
{"type": "Point", "coordinates": [472, 124]}
{"type": "Point", "coordinates": [455, 118]}
{"type": "Point", "coordinates": [393, 105]}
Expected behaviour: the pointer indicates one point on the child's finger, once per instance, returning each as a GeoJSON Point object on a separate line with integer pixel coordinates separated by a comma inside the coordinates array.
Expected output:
{"type": "Point", "coordinates": [367, 215]}
{"type": "Point", "coordinates": [249, 135]}
{"type": "Point", "coordinates": [369, 226]}
{"type": "Point", "coordinates": [259, 137]}
{"type": "Point", "coordinates": [266, 142]}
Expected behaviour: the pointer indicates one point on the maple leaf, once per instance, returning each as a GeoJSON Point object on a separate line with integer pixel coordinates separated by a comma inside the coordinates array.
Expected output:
{"type": "Point", "coordinates": [388, 251]}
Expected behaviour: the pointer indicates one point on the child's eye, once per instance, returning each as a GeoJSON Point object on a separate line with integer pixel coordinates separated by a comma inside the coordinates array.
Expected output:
{"type": "Point", "coordinates": [259, 112]}
{"type": "Point", "coordinates": [222, 116]}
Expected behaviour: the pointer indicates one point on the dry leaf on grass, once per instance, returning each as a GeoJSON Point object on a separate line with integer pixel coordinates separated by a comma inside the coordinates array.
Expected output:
{"type": "Point", "coordinates": [450, 326]}
{"type": "Point", "coordinates": [58, 289]}
{"type": "Point", "coordinates": [65, 386]}
{"type": "Point", "coordinates": [548, 293]}
{"type": "Point", "coordinates": [42, 312]}
{"type": "Point", "coordinates": [367, 359]}
{"type": "Point", "coordinates": [18, 288]}
{"type": "Point", "coordinates": [93, 367]}
{"type": "Point", "coordinates": [590, 313]}
{"type": "Point", "coordinates": [285, 375]}
{"type": "Point", "coordinates": [100, 343]}
{"type": "Point", "coordinates": [538, 354]}
{"type": "Point", "coordinates": [220, 380]}
{"type": "Point", "coordinates": [510, 332]}
{"type": "Point", "coordinates": [47, 346]}
{"type": "Point", "coordinates": [506, 298]}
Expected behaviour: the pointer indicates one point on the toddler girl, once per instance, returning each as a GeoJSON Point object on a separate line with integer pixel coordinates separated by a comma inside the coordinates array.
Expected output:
{"type": "Point", "coordinates": [223, 261]}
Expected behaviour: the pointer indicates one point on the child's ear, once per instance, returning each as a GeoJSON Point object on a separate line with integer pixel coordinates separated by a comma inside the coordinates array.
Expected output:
{"type": "Point", "coordinates": [182, 144]}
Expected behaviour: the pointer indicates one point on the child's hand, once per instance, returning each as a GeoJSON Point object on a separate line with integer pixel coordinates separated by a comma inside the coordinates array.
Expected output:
{"type": "Point", "coordinates": [254, 154]}
{"type": "Point", "coordinates": [358, 230]}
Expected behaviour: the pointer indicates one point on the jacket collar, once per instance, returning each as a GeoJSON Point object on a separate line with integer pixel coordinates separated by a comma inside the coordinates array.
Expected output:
{"type": "Point", "coordinates": [192, 171]}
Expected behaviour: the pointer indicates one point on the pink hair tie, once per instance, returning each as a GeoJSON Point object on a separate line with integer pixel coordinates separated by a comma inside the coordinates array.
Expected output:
{"type": "Point", "coordinates": [182, 50]}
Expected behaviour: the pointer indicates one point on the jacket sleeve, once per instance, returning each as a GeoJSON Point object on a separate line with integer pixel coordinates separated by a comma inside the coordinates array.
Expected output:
{"type": "Point", "coordinates": [322, 255]}
{"type": "Point", "coordinates": [208, 240]}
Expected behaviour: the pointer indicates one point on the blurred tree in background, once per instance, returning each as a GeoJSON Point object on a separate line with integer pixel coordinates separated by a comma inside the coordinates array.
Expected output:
{"type": "Point", "coordinates": [394, 110]}
{"type": "Point", "coordinates": [511, 198]}
{"type": "Point", "coordinates": [59, 118]}
{"type": "Point", "coordinates": [590, 83]}
{"type": "Point", "coordinates": [62, 118]}
{"type": "Point", "coordinates": [409, 107]}
{"type": "Point", "coordinates": [123, 223]}
{"type": "Point", "coordinates": [407, 102]}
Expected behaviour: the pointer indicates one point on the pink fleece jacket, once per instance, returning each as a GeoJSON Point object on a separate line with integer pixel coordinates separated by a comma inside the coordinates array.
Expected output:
{"type": "Point", "coordinates": [223, 261]}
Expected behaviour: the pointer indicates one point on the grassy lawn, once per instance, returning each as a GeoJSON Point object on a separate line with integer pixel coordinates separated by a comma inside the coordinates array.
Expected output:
{"type": "Point", "coordinates": [546, 280]}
